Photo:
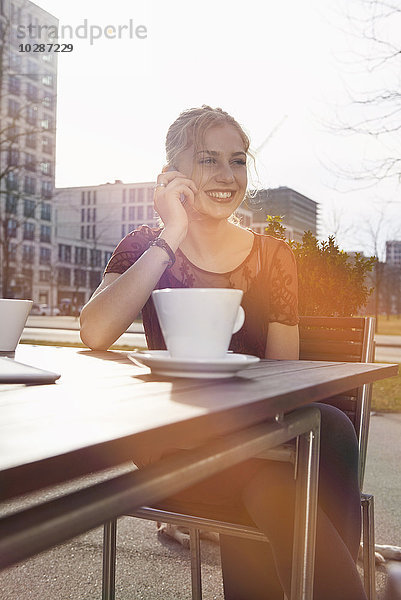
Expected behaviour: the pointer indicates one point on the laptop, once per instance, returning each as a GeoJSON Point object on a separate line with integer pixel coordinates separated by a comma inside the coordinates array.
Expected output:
{"type": "Point", "coordinates": [12, 371]}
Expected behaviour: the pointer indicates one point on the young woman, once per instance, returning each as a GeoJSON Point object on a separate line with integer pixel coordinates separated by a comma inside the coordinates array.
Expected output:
{"type": "Point", "coordinates": [199, 245]}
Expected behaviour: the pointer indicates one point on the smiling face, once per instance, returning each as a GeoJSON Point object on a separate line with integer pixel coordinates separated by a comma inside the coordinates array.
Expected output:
{"type": "Point", "coordinates": [217, 165]}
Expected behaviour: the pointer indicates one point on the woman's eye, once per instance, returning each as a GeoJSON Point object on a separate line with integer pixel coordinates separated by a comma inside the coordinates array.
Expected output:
{"type": "Point", "coordinates": [207, 161]}
{"type": "Point", "coordinates": [241, 162]}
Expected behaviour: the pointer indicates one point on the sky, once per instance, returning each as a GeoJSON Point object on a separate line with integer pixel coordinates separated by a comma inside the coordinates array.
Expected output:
{"type": "Point", "coordinates": [284, 69]}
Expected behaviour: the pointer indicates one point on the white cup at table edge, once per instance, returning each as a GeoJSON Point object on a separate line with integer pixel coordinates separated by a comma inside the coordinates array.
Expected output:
{"type": "Point", "coordinates": [13, 316]}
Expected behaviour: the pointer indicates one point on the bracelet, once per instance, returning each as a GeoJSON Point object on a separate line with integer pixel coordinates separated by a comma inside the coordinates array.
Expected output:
{"type": "Point", "coordinates": [163, 244]}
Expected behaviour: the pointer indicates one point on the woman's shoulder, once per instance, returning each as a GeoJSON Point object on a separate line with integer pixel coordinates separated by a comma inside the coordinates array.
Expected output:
{"type": "Point", "coordinates": [131, 247]}
{"type": "Point", "coordinates": [272, 245]}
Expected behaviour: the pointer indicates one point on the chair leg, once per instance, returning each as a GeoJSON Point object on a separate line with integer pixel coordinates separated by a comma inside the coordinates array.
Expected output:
{"type": "Point", "coordinates": [109, 560]}
{"type": "Point", "coordinates": [368, 539]}
{"type": "Point", "coordinates": [196, 579]}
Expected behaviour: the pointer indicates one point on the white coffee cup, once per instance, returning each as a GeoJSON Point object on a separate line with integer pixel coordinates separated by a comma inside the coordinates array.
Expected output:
{"type": "Point", "coordinates": [13, 316]}
{"type": "Point", "coordinates": [198, 322]}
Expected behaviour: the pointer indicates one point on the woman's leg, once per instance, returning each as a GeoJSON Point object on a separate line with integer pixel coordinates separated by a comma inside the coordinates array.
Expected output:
{"type": "Point", "coordinates": [269, 499]}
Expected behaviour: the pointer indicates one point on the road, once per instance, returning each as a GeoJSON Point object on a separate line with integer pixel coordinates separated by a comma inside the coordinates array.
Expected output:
{"type": "Point", "coordinates": [65, 330]}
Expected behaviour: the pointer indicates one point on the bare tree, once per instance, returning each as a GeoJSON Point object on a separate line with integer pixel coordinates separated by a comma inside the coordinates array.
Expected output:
{"type": "Point", "coordinates": [374, 108]}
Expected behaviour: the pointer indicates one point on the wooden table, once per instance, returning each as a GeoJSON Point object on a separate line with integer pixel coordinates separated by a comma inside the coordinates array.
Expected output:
{"type": "Point", "coordinates": [104, 409]}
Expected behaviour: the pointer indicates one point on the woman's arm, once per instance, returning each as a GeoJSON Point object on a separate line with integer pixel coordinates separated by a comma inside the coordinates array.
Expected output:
{"type": "Point", "coordinates": [282, 342]}
{"type": "Point", "coordinates": [120, 298]}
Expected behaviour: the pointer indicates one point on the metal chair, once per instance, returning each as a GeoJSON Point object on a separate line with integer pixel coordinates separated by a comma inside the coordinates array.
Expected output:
{"type": "Point", "coordinates": [347, 339]}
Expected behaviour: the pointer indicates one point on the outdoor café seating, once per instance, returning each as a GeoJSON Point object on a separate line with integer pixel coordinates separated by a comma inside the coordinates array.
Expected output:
{"type": "Point", "coordinates": [347, 339]}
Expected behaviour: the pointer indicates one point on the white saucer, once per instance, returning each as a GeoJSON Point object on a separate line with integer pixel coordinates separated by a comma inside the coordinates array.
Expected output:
{"type": "Point", "coordinates": [160, 361]}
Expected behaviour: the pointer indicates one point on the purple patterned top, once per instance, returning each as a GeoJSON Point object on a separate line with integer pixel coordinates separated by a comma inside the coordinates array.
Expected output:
{"type": "Point", "coordinates": [267, 276]}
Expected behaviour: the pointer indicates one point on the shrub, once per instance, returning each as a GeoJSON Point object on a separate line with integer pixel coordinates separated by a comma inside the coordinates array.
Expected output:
{"type": "Point", "coordinates": [331, 283]}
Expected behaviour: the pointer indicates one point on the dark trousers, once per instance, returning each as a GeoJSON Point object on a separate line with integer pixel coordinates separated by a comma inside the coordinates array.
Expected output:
{"type": "Point", "coordinates": [262, 493]}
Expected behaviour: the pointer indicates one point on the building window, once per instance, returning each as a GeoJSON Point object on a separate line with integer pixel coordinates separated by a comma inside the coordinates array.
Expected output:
{"type": "Point", "coordinates": [32, 115]}
{"type": "Point", "coordinates": [150, 213]}
{"type": "Point", "coordinates": [45, 233]}
{"type": "Point", "coordinates": [95, 258]}
{"type": "Point", "coordinates": [124, 196]}
{"type": "Point", "coordinates": [82, 232]}
{"type": "Point", "coordinates": [93, 232]}
{"type": "Point", "coordinates": [47, 145]}
{"type": "Point", "coordinates": [12, 252]}
{"type": "Point", "coordinates": [47, 189]}
{"type": "Point", "coordinates": [47, 102]}
{"type": "Point", "coordinates": [12, 181]}
{"type": "Point", "coordinates": [28, 254]}
{"type": "Point", "coordinates": [131, 227]}
{"type": "Point", "coordinates": [88, 214]}
{"type": "Point", "coordinates": [82, 197]}
{"type": "Point", "coordinates": [45, 256]}
{"type": "Point", "coordinates": [46, 168]}
{"type": "Point", "coordinates": [44, 276]}
{"type": "Point", "coordinates": [13, 108]}
{"type": "Point", "coordinates": [64, 276]}
{"type": "Point", "coordinates": [88, 232]}
{"type": "Point", "coordinates": [89, 196]}
{"type": "Point", "coordinates": [82, 215]}
{"type": "Point", "coordinates": [32, 92]}
{"type": "Point", "coordinates": [29, 230]}
{"type": "Point", "coordinates": [47, 80]}
{"type": "Point", "coordinates": [30, 163]}
{"type": "Point", "coordinates": [14, 85]}
{"type": "Point", "coordinates": [46, 124]}
{"type": "Point", "coordinates": [132, 195]}
{"type": "Point", "coordinates": [123, 213]}
{"type": "Point", "coordinates": [94, 196]}
{"type": "Point", "coordinates": [107, 256]}
{"type": "Point", "coordinates": [79, 278]}
{"type": "Point", "coordinates": [131, 213]}
{"type": "Point", "coordinates": [46, 212]}
{"type": "Point", "coordinates": [13, 157]}
{"type": "Point", "coordinates": [64, 253]}
{"type": "Point", "coordinates": [80, 255]}
{"type": "Point", "coordinates": [29, 184]}
{"type": "Point", "coordinates": [30, 140]}
{"type": "Point", "coordinates": [11, 204]}
{"type": "Point", "coordinates": [12, 228]}
{"type": "Point", "coordinates": [140, 213]}
{"type": "Point", "coordinates": [140, 195]}
{"type": "Point", "coordinates": [29, 208]}
{"type": "Point", "coordinates": [123, 231]}
{"type": "Point", "coordinates": [150, 194]}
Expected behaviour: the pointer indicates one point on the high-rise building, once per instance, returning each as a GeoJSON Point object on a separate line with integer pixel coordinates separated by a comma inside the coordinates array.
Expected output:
{"type": "Point", "coordinates": [298, 211]}
{"type": "Point", "coordinates": [393, 252]}
{"type": "Point", "coordinates": [28, 81]}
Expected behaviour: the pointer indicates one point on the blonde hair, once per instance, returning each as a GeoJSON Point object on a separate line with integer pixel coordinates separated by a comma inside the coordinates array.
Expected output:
{"type": "Point", "coordinates": [191, 125]}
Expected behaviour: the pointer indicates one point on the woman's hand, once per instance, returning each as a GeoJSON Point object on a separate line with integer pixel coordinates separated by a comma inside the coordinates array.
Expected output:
{"type": "Point", "coordinates": [173, 199]}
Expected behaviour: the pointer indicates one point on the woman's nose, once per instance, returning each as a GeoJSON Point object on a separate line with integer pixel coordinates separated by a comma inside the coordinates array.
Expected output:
{"type": "Point", "coordinates": [225, 173]}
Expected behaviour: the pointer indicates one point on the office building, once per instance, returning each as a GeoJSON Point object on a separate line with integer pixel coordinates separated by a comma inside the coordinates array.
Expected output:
{"type": "Point", "coordinates": [298, 211]}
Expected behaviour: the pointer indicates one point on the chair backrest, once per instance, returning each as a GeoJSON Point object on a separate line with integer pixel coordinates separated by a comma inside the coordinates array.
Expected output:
{"type": "Point", "coordinates": [344, 339]}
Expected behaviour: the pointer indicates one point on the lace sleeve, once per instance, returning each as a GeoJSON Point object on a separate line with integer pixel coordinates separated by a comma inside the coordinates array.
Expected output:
{"type": "Point", "coordinates": [283, 306]}
{"type": "Point", "coordinates": [130, 249]}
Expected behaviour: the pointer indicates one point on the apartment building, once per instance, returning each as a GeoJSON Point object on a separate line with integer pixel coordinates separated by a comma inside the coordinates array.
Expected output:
{"type": "Point", "coordinates": [28, 87]}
